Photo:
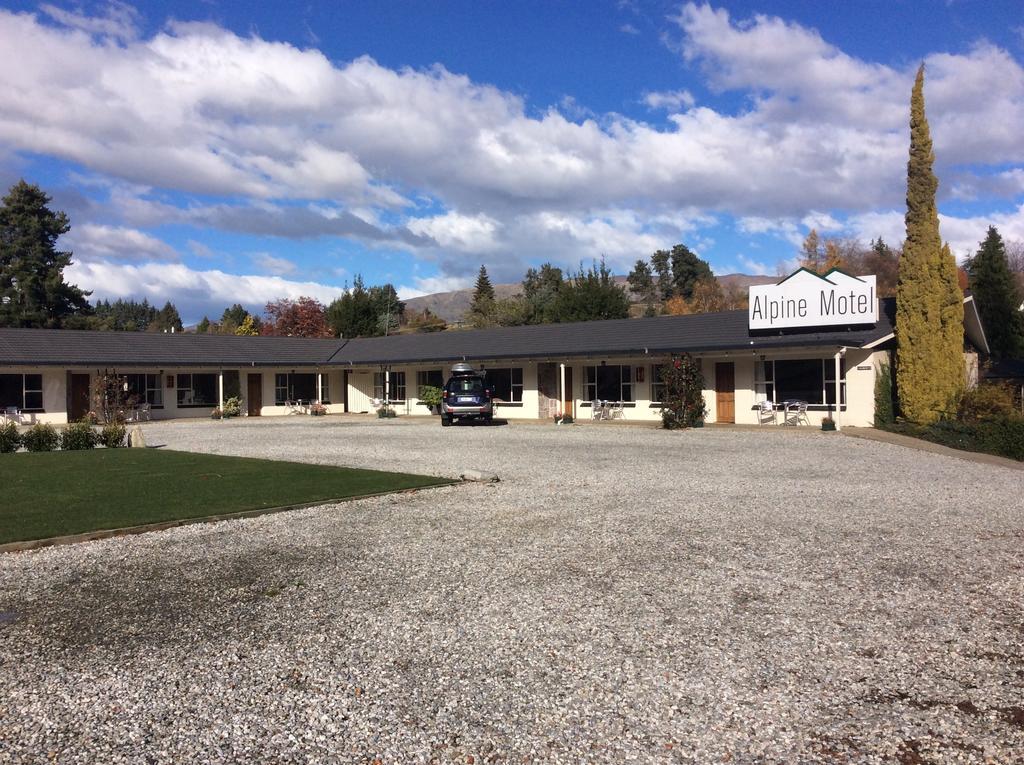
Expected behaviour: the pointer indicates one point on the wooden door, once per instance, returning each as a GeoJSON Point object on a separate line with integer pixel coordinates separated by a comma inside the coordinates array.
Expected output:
{"type": "Point", "coordinates": [78, 405]}
{"type": "Point", "coordinates": [725, 392]}
{"type": "Point", "coordinates": [254, 395]}
{"type": "Point", "coordinates": [568, 406]}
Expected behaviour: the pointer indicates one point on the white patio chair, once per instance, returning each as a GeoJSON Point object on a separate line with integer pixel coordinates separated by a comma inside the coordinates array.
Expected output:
{"type": "Point", "coordinates": [11, 414]}
{"type": "Point", "coordinates": [142, 412]}
{"type": "Point", "coordinates": [766, 410]}
{"type": "Point", "coordinates": [796, 413]}
{"type": "Point", "coordinates": [596, 410]}
{"type": "Point", "coordinates": [616, 411]}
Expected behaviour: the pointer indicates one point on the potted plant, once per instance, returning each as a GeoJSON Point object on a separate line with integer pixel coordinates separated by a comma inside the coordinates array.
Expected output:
{"type": "Point", "coordinates": [385, 412]}
{"type": "Point", "coordinates": [316, 409]}
{"type": "Point", "coordinates": [828, 423]}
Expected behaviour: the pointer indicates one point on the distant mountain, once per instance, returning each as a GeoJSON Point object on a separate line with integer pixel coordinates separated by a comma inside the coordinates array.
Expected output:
{"type": "Point", "coordinates": [452, 306]}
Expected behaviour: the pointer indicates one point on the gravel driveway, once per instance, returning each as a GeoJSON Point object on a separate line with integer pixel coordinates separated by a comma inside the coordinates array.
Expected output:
{"type": "Point", "coordinates": [623, 595]}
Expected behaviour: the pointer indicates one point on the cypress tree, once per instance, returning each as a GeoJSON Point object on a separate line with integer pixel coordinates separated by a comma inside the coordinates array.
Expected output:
{"type": "Point", "coordinates": [929, 305]}
{"type": "Point", "coordinates": [998, 297]}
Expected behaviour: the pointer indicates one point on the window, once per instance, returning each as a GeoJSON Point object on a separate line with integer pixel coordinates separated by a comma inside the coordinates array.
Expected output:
{"type": "Point", "coordinates": [810, 380]}
{"type": "Point", "coordinates": [397, 392]}
{"type": "Point", "coordinates": [25, 392]}
{"type": "Point", "coordinates": [431, 377]}
{"type": "Point", "coordinates": [764, 381]}
{"type": "Point", "coordinates": [657, 386]}
{"type": "Point", "coordinates": [506, 384]}
{"type": "Point", "coordinates": [295, 387]}
{"type": "Point", "coordinates": [145, 389]}
{"type": "Point", "coordinates": [197, 390]}
{"type": "Point", "coordinates": [608, 383]}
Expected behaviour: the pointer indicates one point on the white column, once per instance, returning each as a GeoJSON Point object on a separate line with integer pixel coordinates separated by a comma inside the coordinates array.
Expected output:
{"type": "Point", "coordinates": [561, 389]}
{"type": "Point", "coordinates": [319, 385]}
{"type": "Point", "coordinates": [220, 390]}
{"type": "Point", "coordinates": [387, 386]}
{"type": "Point", "coordinates": [839, 389]}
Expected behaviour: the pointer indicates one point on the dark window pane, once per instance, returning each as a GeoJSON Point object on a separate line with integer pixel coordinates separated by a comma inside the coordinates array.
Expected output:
{"type": "Point", "coordinates": [800, 380]}
{"type": "Point", "coordinates": [232, 384]}
{"type": "Point", "coordinates": [33, 400]}
{"type": "Point", "coordinates": [500, 381]}
{"type": "Point", "coordinates": [205, 389]}
{"type": "Point", "coordinates": [303, 387]}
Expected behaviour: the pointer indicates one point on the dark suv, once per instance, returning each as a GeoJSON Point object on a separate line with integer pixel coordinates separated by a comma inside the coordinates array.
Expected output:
{"type": "Point", "coordinates": [466, 396]}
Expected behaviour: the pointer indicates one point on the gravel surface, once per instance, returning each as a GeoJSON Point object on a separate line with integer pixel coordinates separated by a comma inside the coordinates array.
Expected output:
{"type": "Point", "coordinates": [622, 595]}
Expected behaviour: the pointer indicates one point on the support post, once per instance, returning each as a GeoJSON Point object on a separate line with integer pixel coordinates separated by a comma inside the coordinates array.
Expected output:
{"type": "Point", "coordinates": [319, 386]}
{"type": "Point", "coordinates": [387, 387]}
{"type": "Point", "coordinates": [220, 390]}
{"type": "Point", "coordinates": [561, 390]}
{"type": "Point", "coordinates": [839, 389]}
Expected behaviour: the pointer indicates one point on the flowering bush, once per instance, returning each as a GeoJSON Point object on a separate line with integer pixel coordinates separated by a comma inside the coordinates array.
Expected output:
{"type": "Point", "coordinates": [216, 414]}
{"type": "Point", "coordinates": [232, 407]}
{"type": "Point", "coordinates": [682, 402]}
{"type": "Point", "coordinates": [317, 409]}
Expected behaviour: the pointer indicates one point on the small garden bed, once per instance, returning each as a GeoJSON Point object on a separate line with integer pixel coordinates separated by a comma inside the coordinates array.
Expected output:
{"type": "Point", "coordinates": [1003, 438]}
{"type": "Point", "coordinates": [48, 494]}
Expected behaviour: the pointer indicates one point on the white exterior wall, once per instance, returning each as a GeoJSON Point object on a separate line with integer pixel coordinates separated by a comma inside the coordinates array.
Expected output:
{"type": "Point", "coordinates": [861, 368]}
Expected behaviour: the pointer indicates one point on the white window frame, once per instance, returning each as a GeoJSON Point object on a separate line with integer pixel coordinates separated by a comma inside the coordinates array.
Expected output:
{"type": "Point", "coordinates": [515, 388]}
{"type": "Point", "coordinates": [397, 386]}
{"type": "Point", "coordinates": [764, 375]}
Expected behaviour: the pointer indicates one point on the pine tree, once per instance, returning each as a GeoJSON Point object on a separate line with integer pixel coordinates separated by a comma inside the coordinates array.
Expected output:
{"type": "Point", "coordinates": [660, 264]}
{"type": "Point", "coordinates": [998, 297]}
{"type": "Point", "coordinates": [687, 270]}
{"type": "Point", "coordinates": [641, 282]}
{"type": "Point", "coordinates": [33, 292]}
{"type": "Point", "coordinates": [203, 327]}
{"type": "Point", "coordinates": [483, 293]}
{"type": "Point", "coordinates": [929, 353]}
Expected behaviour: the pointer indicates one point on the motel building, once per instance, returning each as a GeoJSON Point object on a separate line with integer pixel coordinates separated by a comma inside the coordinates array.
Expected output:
{"type": "Point", "coordinates": [813, 339]}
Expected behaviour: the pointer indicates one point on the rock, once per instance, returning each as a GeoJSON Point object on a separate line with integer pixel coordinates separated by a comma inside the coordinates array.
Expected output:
{"type": "Point", "coordinates": [479, 475]}
{"type": "Point", "coordinates": [136, 439]}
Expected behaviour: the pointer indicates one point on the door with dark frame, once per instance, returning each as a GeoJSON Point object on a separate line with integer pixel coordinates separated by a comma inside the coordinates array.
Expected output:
{"type": "Point", "coordinates": [254, 394]}
{"type": "Point", "coordinates": [725, 392]}
{"type": "Point", "coordinates": [78, 405]}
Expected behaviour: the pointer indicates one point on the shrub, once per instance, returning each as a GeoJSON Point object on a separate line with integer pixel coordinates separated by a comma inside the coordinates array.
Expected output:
{"type": "Point", "coordinates": [682, 403]}
{"type": "Point", "coordinates": [317, 409]}
{"type": "Point", "coordinates": [885, 410]}
{"type": "Point", "coordinates": [216, 414]}
{"type": "Point", "coordinates": [113, 435]}
{"type": "Point", "coordinates": [78, 436]}
{"type": "Point", "coordinates": [40, 438]}
{"type": "Point", "coordinates": [1002, 437]}
{"type": "Point", "coordinates": [430, 395]}
{"type": "Point", "coordinates": [232, 407]}
{"type": "Point", "coordinates": [988, 401]}
{"type": "Point", "coordinates": [385, 412]}
{"type": "Point", "coordinates": [10, 439]}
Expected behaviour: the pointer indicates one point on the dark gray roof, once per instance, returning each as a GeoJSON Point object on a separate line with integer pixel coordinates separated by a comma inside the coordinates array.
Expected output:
{"type": "Point", "coordinates": [621, 337]}
{"type": "Point", "coordinates": [97, 349]}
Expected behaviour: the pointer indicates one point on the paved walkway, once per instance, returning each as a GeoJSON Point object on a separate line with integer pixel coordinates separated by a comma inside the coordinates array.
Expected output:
{"type": "Point", "coordinates": [885, 437]}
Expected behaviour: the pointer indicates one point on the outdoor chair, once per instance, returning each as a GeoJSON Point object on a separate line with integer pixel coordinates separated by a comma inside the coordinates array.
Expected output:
{"type": "Point", "coordinates": [766, 410]}
{"type": "Point", "coordinates": [596, 410]}
{"type": "Point", "coordinates": [11, 414]}
{"type": "Point", "coordinates": [617, 411]}
{"type": "Point", "coordinates": [796, 413]}
{"type": "Point", "coordinates": [142, 412]}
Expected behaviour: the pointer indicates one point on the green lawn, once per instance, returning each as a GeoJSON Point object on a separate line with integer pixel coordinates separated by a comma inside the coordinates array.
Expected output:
{"type": "Point", "coordinates": [56, 493]}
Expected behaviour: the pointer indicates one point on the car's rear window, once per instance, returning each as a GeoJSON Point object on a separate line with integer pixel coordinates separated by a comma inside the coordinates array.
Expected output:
{"type": "Point", "coordinates": [466, 385]}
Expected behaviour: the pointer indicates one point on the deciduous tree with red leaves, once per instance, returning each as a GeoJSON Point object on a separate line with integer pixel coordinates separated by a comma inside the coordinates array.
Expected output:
{"type": "Point", "coordinates": [305, 317]}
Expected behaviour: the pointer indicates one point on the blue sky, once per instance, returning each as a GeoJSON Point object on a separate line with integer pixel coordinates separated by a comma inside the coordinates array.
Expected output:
{"type": "Point", "coordinates": [212, 152]}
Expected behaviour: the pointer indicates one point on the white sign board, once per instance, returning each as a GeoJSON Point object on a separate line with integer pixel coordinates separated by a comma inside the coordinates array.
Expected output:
{"type": "Point", "coordinates": [805, 299]}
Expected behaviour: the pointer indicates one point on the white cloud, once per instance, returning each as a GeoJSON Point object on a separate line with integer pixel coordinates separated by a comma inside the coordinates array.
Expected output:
{"type": "Point", "coordinates": [433, 284]}
{"type": "Point", "coordinates": [273, 265]}
{"type": "Point", "coordinates": [671, 100]}
{"type": "Point", "coordinates": [195, 293]}
{"type": "Point", "coordinates": [475, 234]}
{"type": "Point", "coordinates": [118, 21]}
{"type": "Point", "coordinates": [90, 241]}
{"type": "Point", "coordinates": [756, 267]}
